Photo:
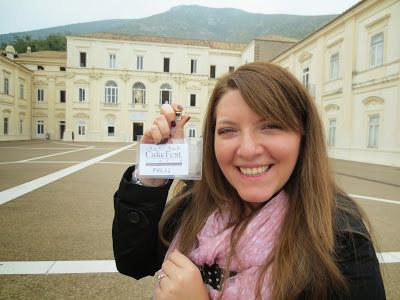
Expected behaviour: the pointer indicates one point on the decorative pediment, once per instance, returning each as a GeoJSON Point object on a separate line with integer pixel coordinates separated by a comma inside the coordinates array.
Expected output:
{"type": "Point", "coordinates": [193, 88]}
{"type": "Point", "coordinates": [125, 76]}
{"type": "Point", "coordinates": [331, 107]}
{"type": "Point", "coordinates": [39, 114]}
{"type": "Point", "coordinates": [305, 56]}
{"type": "Point", "coordinates": [373, 101]}
{"type": "Point", "coordinates": [60, 115]}
{"type": "Point", "coordinates": [94, 75]}
{"type": "Point", "coordinates": [110, 117]}
{"type": "Point", "coordinates": [22, 114]}
{"type": "Point", "coordinates": [153, 79]}
{"type": "Point", "coordinates": [179, 79]}
{"type": "Point", "coordinates": [334, 42]}
{"type": "Point", "coordinates": [382, 20]}
{"type": "Point", "coordinates": [6, 111]}
{"type": "Point", "coordinates": [81, 116]}
{"type": "Point", "coordinates": [39, 82]}
{"type": "Point", "coordinates": [81, 81]}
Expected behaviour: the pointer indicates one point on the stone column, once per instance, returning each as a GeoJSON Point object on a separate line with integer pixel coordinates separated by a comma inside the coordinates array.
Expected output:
{"type": "Point", "coordinates": [69, 119]}
{"type": "Point", "coordinates": [51, 101]}
{"type": "Point", "coordinates": [96, 98]}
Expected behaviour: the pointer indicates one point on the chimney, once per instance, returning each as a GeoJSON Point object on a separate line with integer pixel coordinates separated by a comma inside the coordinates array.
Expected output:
{"type": "Point", "coordinates": [10, 52]}
{"type": "Point", "coordinates": [28, 50]}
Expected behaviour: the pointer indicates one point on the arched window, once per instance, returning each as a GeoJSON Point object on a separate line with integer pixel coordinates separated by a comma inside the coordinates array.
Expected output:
{"type": "Point", "coordinates": [138, 93]}
{"type": "Point", "coordinates": [165, 93]}
{"type": "Point", "coordinates": [111, 92]}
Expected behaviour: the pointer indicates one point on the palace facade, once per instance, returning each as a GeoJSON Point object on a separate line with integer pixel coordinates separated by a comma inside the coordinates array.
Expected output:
{"type": "Point", "coordinates": [108, 87]}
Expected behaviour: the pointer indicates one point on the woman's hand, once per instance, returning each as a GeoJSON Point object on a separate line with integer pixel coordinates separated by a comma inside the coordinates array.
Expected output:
{"type": "Point", "coordinates": [182, 281]}
{"type": "Point", "coordinates": [165, 126]}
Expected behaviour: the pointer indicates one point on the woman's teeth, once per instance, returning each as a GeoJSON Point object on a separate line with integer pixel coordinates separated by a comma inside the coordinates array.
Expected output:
{"type": "Point", "coordinates": [254, 171]}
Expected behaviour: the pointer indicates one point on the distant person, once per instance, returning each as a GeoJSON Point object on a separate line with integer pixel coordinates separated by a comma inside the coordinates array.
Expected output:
{"type": "Point", "coordinates": [267, 220]}
{"type": "Point", "coordinates": [73, 136]}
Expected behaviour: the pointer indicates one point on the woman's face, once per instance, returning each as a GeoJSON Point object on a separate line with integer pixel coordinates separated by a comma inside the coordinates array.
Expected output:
{"type": "Point", "coordinates": [256, 157]}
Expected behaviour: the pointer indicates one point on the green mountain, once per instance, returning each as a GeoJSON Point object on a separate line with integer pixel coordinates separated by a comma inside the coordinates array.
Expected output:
{"type": "Point", "coordinates": [193, 21]}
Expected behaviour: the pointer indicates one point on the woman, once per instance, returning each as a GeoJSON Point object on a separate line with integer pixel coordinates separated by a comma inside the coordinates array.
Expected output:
{"type": "Point", "coordinates": [265, 222]}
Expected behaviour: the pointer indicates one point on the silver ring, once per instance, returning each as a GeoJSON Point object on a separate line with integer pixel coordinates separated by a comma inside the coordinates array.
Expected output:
{"type": "Point", "coordinates": [161, 276]}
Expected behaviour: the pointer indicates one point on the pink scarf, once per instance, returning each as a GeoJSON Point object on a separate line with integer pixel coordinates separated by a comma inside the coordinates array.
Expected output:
{"type": "Point", "coordinates": [253, 249]}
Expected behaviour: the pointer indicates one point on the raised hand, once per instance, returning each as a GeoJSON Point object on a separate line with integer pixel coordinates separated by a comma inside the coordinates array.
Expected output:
{"type": "Point", "coordinates": [165, 125]}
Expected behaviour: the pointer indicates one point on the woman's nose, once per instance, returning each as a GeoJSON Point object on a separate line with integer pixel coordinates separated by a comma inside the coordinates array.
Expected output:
{"type": "Point", "coordinates": [250, 146]}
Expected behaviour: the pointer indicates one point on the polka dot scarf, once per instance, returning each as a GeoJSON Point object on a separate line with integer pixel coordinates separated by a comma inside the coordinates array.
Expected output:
{"type": "Point", "coordinates": [253, 249]}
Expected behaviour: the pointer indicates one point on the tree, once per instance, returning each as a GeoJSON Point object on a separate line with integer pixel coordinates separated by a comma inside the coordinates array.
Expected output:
{"type": "Point", "coordinates": [54, 42]}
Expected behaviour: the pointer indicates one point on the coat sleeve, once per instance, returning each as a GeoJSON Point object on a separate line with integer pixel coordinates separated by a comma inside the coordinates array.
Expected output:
{"type": "Point", "coordinates": [138, 251]}
{"type": "Point", "coordinates": [359, 264]}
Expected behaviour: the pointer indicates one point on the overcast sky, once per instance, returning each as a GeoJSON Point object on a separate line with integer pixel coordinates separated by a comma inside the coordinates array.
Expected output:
{"type": "Point", "coordinates": [25, 15]}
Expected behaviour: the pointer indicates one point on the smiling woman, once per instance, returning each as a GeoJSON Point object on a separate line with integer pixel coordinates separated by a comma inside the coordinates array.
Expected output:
{"type": "Point", "coordinates": [255, 155]}
{"type": "Point", "coordinates": [266, 221]}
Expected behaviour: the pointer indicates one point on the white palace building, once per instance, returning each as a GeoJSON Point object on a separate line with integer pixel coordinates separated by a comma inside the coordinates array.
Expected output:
{"type": "Point", "coordinates": [109, 87]}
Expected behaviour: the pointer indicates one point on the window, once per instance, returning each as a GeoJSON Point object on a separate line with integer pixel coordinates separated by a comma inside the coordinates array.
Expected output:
{"type": "Point", "coordinates": [332, 132]}
{"type": "Point", "coordinates": [138, 93]}
{"type": "Point", "coordinates": [231, 69]}
{"type": "Point", "coordinates": [62, 96]}
{"type": "Point", "coordinates": [139, 62]}
{"type": "Point", "coordinates": [81, 128]}
{"type": "Point", "coordinates": [82, 95]}
{"type": "Point", "coordinates": [21, 91]}
{"type": "Point", "coordinates": [373, 131]}
{"type": "Point", "coordinates": [5, 126]}
{"type": "Point", "coordinates": [193, 66]}
{"type": "Point", "coordinates": [306, 76]}
{"type": "Point", "coordinates": [112, 61]}
{"type": "Point", "coordinates": [166, 64]}
{"type": "Point", "coordinates": [21, 126]}
{"type": "Point", "coordinates": [62, 69]}
{"type": "Point", "coordinates": [40, 127]}
{"type": "Point", "coordinates": [40, 95]}
{"type": "Point", "coordinates": [376, 50]}
{"type": "Point", "coordinates": [111, 92]}
{"type": "Point", "coordinates": [192, 99]}
{"type": "Point", "coordinates": [165, 94]}
{"type": "Point", "coordinates": [41, 68]}
{"type": "Point", "coordinates": [334, 67]}
{"type": "Point", "coordinates": [82, 59]}
{"type": "Point", "coordinates": [6, 86]}
{"type": "Point", "coordinates": [212, 71]}
{"type": "Point", "coordinates": [111, 130]}
{"type": "Point", "coordinates": [192, 132]}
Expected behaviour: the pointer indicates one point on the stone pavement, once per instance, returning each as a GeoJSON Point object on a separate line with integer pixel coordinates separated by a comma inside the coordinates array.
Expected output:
{"type": "Point", "coordinates": [70, 219]}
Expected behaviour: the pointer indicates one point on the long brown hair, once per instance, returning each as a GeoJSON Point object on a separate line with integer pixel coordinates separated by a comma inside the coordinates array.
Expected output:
{"type": "Point", "coordinates": [303, 257]}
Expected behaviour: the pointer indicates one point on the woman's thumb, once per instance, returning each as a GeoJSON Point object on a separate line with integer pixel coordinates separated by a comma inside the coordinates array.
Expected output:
{"type": "Point", "coordinates": [180, 127]}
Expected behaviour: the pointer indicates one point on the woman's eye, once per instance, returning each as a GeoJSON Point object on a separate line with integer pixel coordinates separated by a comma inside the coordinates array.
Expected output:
{"type": "Point", "coordinates": [225, 130]}
{"type": "Point", "coordinates": [271, 126]}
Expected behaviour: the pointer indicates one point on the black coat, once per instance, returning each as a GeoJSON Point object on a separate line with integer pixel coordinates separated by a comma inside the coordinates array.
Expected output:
{"type": "Point", "coordinates": [138, 251]}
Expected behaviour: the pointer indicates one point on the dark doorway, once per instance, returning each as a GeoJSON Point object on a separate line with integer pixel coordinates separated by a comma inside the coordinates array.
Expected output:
{"type": "Point", "coordinates": [62, 129]}
{"type": "Point", "coordinates": [137, 130]}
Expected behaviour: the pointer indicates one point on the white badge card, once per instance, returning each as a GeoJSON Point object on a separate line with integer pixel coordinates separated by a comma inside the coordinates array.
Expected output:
{"type": "Point", "coordinates": [163, 160]}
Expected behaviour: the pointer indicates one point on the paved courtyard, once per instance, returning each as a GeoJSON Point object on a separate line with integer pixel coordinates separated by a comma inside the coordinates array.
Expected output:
{"type": "Point", "coordinates": [56, 212]}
